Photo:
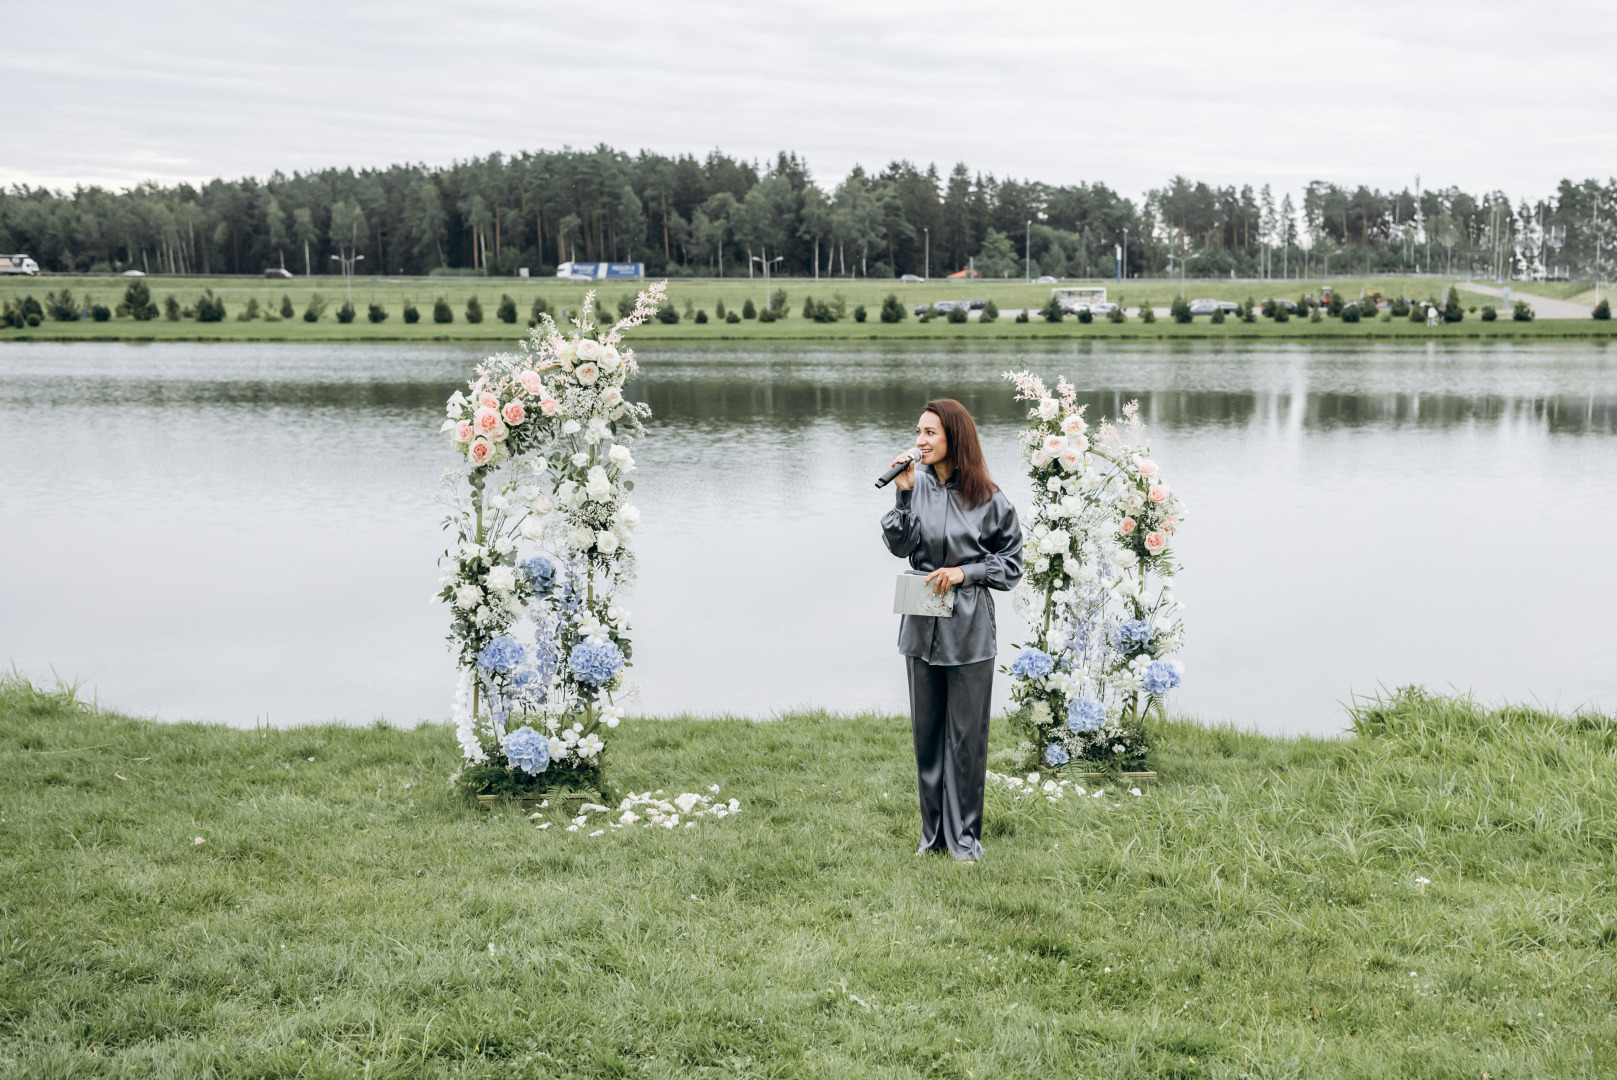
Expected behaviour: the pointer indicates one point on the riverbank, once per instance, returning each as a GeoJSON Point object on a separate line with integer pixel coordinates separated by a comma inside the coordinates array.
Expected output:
{"type": "Point", "coordinates": [706, 295]}
{"type": "Point", "coordinates": [1425, 899]}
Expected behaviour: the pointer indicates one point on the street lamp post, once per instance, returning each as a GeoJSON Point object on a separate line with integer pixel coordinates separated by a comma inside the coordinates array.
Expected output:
{"type": "Point", "coordinates": [762, 257]}
{"type": "Point", "coordinates": [348, 273]}
{"type": "Point", "coordinates": [1183, 259]}
{"type": "Point", "coordinates": [1027, 249]}
{"type": "Point", "coordinates": [928, 272]}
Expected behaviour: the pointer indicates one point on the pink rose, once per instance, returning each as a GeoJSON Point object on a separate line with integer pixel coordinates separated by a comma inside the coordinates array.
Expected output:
{"type": "Point", "coordinates": [1073, 424]}
{"type": "Point", "coordinates": [488, 401]}
{"type": "Point", "coordinates": [1156, 542]}
{"type": "Point", "coordinates": [1072, 460]}
{"type": "Point", "coordinates": [1170, 525]}
{"type": "Point", "coordinates": [1158, 493]}
{"type": "Point", "coordinates": [514, 413]}
{"type": "Point", "coordinates": [589, 349]}
{"type": "Point", "coordinates": [464, 431]}
{"type": "Point", "coordinates": [1127, 526]}
{"type": "Point", "coordinates": [1039, 457]}
{"type": "Point", "coordinates": [1148, 467]}
{"type": "Point", "coordinates": [587, 373]}
{"type": "Point", "coordinates": [487, 419]}
{"type": "Point", "coordinates": [611, 396]}
{"type": "Point", "coordinates": [530, 382]}
{"type": "Point", "coordinates": [549, 406]}
{"type": "Point", "coordinates": [481, 452]}
{"type": "Point", "coordinates": [1054, 444]}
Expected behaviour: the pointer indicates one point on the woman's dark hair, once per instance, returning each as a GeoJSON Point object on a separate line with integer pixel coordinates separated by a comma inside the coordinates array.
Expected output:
{"type": "Point", "coordinates": [965, 452]}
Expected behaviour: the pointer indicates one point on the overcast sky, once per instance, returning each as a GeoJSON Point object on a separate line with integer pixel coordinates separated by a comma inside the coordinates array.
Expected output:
{"type": "Point", "coordinates": [1484, 94]}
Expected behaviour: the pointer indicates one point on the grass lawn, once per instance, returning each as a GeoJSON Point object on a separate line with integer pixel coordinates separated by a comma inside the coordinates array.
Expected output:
{"type": "Point", "coordinates": [704, 294]}
{"type": "Point", "coordinates": [1261, 912]}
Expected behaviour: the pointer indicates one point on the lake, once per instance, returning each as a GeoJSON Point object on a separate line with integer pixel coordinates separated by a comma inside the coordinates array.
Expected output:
{"type": "Point", "coordinates": [248, 533]}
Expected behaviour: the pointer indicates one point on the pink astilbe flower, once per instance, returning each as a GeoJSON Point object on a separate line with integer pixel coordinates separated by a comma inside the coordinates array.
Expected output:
{"type": "Point", "coordinates": [1068, 393]}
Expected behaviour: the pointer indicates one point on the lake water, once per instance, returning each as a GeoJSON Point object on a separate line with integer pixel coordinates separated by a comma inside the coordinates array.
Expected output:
{"type": "Point", "coordinates": [247, 533]}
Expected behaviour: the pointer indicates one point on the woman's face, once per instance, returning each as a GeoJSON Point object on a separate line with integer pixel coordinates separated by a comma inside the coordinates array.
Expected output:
{"type": "Point", "coordinates": [929, 439]}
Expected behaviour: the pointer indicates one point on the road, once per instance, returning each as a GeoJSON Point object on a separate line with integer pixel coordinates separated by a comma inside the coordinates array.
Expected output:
{"type": "Point", "coordinates": [1543, 306]}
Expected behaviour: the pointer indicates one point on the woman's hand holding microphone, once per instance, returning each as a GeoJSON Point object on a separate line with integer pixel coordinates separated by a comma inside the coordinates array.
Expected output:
{"type": "Point", "coordinates": [906, 479]}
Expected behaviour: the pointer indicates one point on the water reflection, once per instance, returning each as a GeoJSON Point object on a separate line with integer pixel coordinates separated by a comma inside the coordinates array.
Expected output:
{"type": "Point", "coordinates": [232, 532]}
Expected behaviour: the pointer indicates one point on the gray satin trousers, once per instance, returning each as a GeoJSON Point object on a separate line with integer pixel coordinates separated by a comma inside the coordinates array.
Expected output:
{"type": "Point", "coordinates": [949, 715]}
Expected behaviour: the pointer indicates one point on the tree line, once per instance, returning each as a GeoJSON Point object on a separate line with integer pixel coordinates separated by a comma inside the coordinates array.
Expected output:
{"type": "Point", "coordinates": [721, 216]}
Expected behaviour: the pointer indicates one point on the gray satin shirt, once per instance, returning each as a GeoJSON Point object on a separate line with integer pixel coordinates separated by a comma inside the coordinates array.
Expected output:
{"type": "Point", "coordinates": [933, 528]}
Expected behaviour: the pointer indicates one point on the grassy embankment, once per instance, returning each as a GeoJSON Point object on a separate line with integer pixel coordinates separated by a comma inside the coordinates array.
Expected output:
{"type": "Point", "coordinates": [703, 294]}
{"type": "Point", "coordinates": [1264, 911]}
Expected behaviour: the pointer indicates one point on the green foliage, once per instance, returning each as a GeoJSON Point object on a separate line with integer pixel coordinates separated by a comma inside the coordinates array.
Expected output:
{"type": "Point", "coordinates": [1417, 313]}
{"type": "Point", "coordinates": [1051, 311]}
{"type": "Point", "coordinates": [210, 308]}
{"type": "Point", "coordinates": [1349, 313]}
{"type": "Point", "coordinates": [137, 301]}
{"type": "Point", "coordinates": [625, 305]}
{"type": "Point", "coordinates": [997, 257]}
{"type": "Point", "coordinates": [1285, 888]}
{"type": "Point", "coordinates": [1400, 308]}
{"type": "Point", "coordinates": [859, 314]}
{"type": "Point", "coordinates": [748, 310]}
{"type": "Point", "coordinates": [377, 313]}
{"type": "Point", "coordinates": [1246, 311]}
{"type": "Point", "coordinates": [718, 310]}
{"type": "Point", "coordinates": [767, 315]}
{"type": "Point", "coordinates": [732, 317]}
{"type": "Point", "coordinates": [61, 306]}
{"type": "Point", "coordinates": [777, 303]}
{"type": "Point", "coordinates": [442, 312]}
{"type": "Point", "coordinates": [1602, 310]}
{"type": "Point", "coordinates": [100, 312]}
{"type": "Point", "coordinates": [171, 308]}
{"type": "Point", "coordinates": [33, 318]}
{"type": "Point", "coordinates": [1117, 314]}
{"type": "Point", "coordinates": [507, 311]}
{"type": "Point", "coordinates": [957, 314]}
{"type": "Point", "coordinates": [1148, 312]}
{"type": "Point", "coordinates": [1334, 307]}
{"type": "Point", "coordinates": [540, 307]}
{"type": "Point", "coordinates": [1085, 316]}
{"type": "Point", "coordinates": [990, 311]}
{"type": "Point", "coordinates": [412, 315]}
{"type": "Point", "coordinates": [1453, 310]}
{"type": "Point", "coordinates": [1279, 313]}
{"type": "Point", "coordinates": [345, 314]}
{"type": "Point", "coordinates": [668, 313]}
{"type": "Point", "coordinates": [1315, 315]}
{"type": "Point", "coordinates": [250, 312]}
{"type": "Point", "coordinates": [316, 308]}
{"type": "Point", "coordinates": [809, 307]}
{"type": "Point", "coordinates": [286, 306]}
{"type": "Point", "coordinates": [1521, 311]}
{"type": "Point", "coordinates": [1488, 313]}
{"type": "Point", "coordinates": [701, 315]}
{"type": "Point", "coordinates": [1217, 316]}
{"type": "Point", "coordinates": [1179, 308]}
{"type": "Point", "coordinates": [892, 309]}
{"type": "Point", "coordinates": [474, 310]}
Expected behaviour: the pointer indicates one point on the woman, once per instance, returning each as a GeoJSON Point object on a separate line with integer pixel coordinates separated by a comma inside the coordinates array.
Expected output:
{"type": "Point", "coordinates": [952, 521]}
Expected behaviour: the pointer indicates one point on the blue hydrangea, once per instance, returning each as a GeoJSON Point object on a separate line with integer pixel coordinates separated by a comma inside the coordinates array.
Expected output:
{"type": "Point", "coordinates": [1032, 664]}
{"type": "Point", "coordinates": [1160, 677]}
{"type": "Point", "coordinates": [1054, 755]}
{"type": "Point", "coordinates": [528, 750]}
{"type": "Point", "coordinates": [595, 663]}
{"type": "Point", "coordinates": [501, 655]}
{"type": "Point", "coordinates": [539, 570]}
{"type": "Point", "coordinates": [1133, 635]}
{"type": "Point", "coordinates": [1086, 714]}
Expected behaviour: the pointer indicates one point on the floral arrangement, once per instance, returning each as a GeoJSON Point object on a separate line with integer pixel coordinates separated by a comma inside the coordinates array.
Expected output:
{"type": "Point", "coordinates": [1098, 587]}
{"type": "Point", "coordinates": [546, 436]}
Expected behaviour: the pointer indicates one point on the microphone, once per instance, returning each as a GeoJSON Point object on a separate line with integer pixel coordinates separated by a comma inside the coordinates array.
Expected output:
{"type": "Point", "coordinates": [914, 455]}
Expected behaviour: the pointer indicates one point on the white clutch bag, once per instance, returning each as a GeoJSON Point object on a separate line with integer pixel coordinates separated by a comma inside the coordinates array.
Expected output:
{"type": "Point", "coordinates": [914, 596]}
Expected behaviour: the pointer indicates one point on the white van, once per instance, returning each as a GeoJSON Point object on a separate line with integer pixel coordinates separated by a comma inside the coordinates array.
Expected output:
{"type": "Point", "coordinates": [18, 264]}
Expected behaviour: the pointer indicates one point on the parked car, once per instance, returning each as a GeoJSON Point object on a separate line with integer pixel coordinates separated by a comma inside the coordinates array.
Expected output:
{"type": "Point", "coordinates": [977, 305]}
{"type": "Point", "coordinates": [134, 273]}
{"type": "Point", "coordinates": [1204, 306]}
{"type": "Point", "coordinates": [18, 264]}
{"type": "Point", "coordinates": [911, 279]}
{"type": "Point", "coordinates": [1289, 305]}
{"type": "Point", "coordinates": [942, 307]}
{"type": "Point", "coordinates": [1046, 280]}
{"type": "Point", "coordinates": [278, 272]}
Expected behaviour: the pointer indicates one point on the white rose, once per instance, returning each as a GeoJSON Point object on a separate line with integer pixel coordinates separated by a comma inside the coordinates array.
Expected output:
{"type": "Point", "coordinates": [611, 396]}
{"type": "Point", "coordinates": [532, 528]}
{"type": "Point", "coordinates": [1055, 543]}
{"type": "Point", "coordinates": [587, 373]}
{"type": "Point", "coordinates": [1041, 566]}
{"type": "Point", "coordinates": [1039, 457]}
{"type": "Point", "coordinates": [1041, 530]}
{"type": "Point", "coordinates": [468, 597]}
{"type": "Point", "coordinates": [1073, 424]}
{"type": "Point", "coordinates": [1048, 408]}
{"type": "Point", "coordinates": [610, 358]}
{"type": "Point", "coordinates": [567, 352]}
{"type": "Point", "coordinates": [1071, 460]}
{"type": "Point", "coordinates": [505, 545]}
{"type": "Point", "coordinates": [571, 427]}
{"type": "Point", "coordinates": [599, 487]}
{"type": "Point", "coordinates": [539, 504]}
{"type": "Point", "coordinates": [580, 460]}
{"type": "Point", "coordinates": [628, 516]}
{"type": "Point", "coordinates": [606, 542]}
{"type": "Point", "coordinates": [502, 579]}
{"type": "Point", "coordinates": [621, 456]}
{"type": "Point", "coordinates": [568, 493]}
{"type": "Point", "coordinates": [1053, 484]}
{"type": "Point", "coordinates": [581, 539]}
{"type": "Point", "coordinates": [1054, 444]}
{"type": "Point", "coordinates": [588, 349]}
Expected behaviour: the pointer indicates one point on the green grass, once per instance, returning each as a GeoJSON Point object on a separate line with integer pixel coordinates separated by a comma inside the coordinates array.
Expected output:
{"type": "Point", "coordinates": [1258, 914]}
{"type": "Point", "coordinates": [391, 293]}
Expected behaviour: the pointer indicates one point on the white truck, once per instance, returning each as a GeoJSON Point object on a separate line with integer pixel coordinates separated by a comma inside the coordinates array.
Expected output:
{"type": "Point", "coordinates": [18, 264]}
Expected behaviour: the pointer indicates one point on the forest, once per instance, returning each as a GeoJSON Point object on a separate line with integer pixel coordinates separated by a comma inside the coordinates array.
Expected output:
{"type": "Point", "coordinates": [719, 216]}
